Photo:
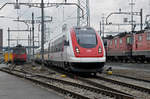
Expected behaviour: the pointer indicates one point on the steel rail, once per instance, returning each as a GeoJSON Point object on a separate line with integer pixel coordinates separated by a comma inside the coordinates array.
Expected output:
{"type": "Point", "coordinates": [96, 90]}
{"type": "Point", "coordinates": [125, 84]}
{"type": "Point", "coordinates": [100, 86]}
{"type": "Point", "coordinates": [133, 78]}
{"type": "Point", "coordinates": [61, 90]}
{"type": "Point", "coordinates": [92, 89]}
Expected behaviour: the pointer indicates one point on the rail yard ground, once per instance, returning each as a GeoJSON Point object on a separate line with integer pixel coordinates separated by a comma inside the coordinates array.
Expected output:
{"type": "Point", "coordinates": [12, 87]}
{"type": "Point", "coordinates": [102, 86]}
{"type": "Point", "coordinates": [137, 70]}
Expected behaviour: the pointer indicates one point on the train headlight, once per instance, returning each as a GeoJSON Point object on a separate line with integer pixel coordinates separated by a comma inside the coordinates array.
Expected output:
{"type": "Point", "coordinates": [99, 50]}
{"type": "Point", "coordinates": [77, 50]}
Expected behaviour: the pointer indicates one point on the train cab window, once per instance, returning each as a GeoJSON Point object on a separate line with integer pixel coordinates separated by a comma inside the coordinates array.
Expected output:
{"type": "Point", "coordinates": [86, 37]}
{"type": "Point", "coordinates": [148, 36]}
{"type": "Point", "coordinates": [19, 50]}
{"type": "Point", "coordinates": [120, 41]}
{"type": "Point", "coordinates": [140, 38]}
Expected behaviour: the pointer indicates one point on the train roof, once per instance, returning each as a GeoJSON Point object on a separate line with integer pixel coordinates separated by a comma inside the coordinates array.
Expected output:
{"type": "Point", "coordinates": [18, 46]}
{"type": "Point", "coordinates": [120, 35]}
{"type": "Point", "coordinates": [82, 27]}
{"type": "Point", "coordinates": [123, 34]}
{"type": "Point", "coordinates": [108, 37]}
{"type": "Point", "coordinates": [139, 32]}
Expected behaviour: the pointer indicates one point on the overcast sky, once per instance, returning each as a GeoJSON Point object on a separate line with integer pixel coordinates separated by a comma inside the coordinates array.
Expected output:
{"type": "Point", "coordinates": [98, 8]}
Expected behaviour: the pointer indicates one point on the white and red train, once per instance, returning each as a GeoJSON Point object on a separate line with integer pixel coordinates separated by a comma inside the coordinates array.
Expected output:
{"type": "Point", "coordinates": [79, 49]}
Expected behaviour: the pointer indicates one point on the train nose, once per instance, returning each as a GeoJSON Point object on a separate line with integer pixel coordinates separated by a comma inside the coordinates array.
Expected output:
{"type": "Point", "coordinates": [88, 50]}
{"type": "Point", "coordinates": [85, 52]}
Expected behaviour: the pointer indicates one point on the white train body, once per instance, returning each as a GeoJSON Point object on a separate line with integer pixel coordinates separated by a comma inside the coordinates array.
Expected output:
{"type": "Point", "coordinates": [79, 49]}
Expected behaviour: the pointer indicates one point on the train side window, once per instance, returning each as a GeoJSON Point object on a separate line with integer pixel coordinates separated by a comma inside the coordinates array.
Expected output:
{"type": "Point", "coordinates": [66, 43]}
{"type": "Point", "coordinates": [111, 42]}
{"type": "Point", "coordinates": [115, 42]}
{"type": "Point", "coordinates": [148, 36]}
{"type": "Point", "coordinates": [129, 40]}
{"type": "Point", "coordinates": [120, 40]}
{"type": "Point", "coordinates": [140, 38]}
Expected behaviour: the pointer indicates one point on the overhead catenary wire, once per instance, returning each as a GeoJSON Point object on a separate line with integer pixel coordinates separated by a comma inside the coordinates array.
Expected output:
{"type": "Point", "coordinates": [65, 20]}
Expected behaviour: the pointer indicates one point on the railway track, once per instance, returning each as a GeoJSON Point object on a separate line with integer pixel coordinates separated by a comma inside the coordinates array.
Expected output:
{"type": "Point", "coordinates": [89, 82]}
{"type": "Point", "coordinates": [136, 91]}
{"type": "Point", "coordinates": [133, 78]}
{"type": "Point", "coordinates": [139, 88]}
{"type": "Point", "coordinates": [56, 83]}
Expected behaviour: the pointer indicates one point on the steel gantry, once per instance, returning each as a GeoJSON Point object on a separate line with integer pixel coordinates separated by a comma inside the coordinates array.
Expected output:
{"type": "Point", "coordinates": [84, 4]}
{"type": "Point", "coordinates": [43, 5]}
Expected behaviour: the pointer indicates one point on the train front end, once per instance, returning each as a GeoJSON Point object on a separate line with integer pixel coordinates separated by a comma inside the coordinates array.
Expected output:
{"type": "Point", "coordinates": [88, 53]}
{"type": "Point", "coordinates": [19, 55]}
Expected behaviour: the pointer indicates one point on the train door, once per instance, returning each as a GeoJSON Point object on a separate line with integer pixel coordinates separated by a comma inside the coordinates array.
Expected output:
{"type": "Point", "coordinates": [129, 42]}
{"type": "Point", "coordinates": [66, 44]}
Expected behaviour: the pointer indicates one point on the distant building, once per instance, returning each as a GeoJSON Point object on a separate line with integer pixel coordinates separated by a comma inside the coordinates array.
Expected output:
{"type": "Point", "coordinates": [1, 39]}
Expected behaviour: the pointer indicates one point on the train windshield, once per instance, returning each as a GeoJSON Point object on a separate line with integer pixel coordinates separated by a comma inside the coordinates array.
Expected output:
{"type": "Point", "coordinates": [19, 51]}
{"type": "Point", "coordinates": [86, 38]}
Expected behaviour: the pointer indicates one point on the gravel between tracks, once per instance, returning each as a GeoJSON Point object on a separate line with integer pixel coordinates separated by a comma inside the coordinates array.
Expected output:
{"type": "Point", "coordinates": [45, 71]}
{"type": "Point", "coordinates": [141, 71]}
{"type": "Point", "coordinates": [133, 73]}
{"type": "Point", "coordinates": [37, 70]}
{"type": "Point", "coordinates": [84, 92]}
{"type": "Point", "coordinates": [127, 80]}
{"type": "Point", "coordinates": [137, 94]}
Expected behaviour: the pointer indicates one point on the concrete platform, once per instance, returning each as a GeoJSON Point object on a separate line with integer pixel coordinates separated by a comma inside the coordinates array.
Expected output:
{"type": "Point", "coordinates": [12, 87]}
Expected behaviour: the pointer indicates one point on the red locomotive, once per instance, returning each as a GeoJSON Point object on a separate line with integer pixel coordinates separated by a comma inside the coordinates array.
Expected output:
{"type": "Point", "coordinates": [128, 47]}
{"type": "Point", "coordinates": [19, 54]}
{"type": "Point", "coordinates": [120, 47]}
{"type": "Point", "coordinates": [141, 46]}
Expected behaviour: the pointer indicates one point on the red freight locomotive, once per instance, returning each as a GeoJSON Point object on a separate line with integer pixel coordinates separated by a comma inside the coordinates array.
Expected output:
{"type": "Point", "coordinates": [19, 54]}
{"type": "Point", "coordinates": [119, 47]}
{"type": "Point", "coordinates": [141, 46]}
{"type": "Point", "coordinates": [128, 46]}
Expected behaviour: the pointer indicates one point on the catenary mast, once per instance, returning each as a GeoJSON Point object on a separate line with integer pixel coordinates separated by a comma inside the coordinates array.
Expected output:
{"type": "Point", "coordinates": [84, 4]}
